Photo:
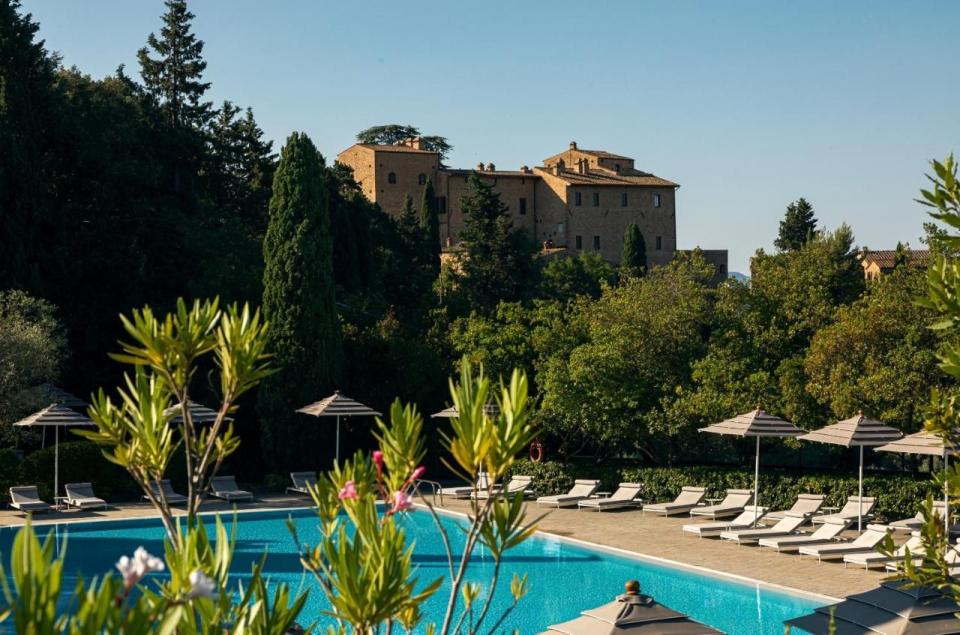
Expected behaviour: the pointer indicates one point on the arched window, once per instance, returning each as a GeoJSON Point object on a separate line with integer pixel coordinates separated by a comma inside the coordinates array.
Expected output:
{"type": "Point", "coordinates": [392, 178]}
{"type": "Point", "coordinates": [422, 179]}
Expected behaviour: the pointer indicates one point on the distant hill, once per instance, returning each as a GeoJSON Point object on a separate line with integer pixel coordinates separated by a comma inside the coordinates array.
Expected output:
{"type": "Point", "coordinates": [736, 275]}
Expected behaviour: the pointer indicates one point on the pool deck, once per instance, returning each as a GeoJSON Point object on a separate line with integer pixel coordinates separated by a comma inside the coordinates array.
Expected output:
{"type": "Point", "coordinates": [653, 536]}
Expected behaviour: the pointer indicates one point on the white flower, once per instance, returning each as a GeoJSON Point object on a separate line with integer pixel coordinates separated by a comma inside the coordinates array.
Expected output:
{"type": "Point", "coordinates": [201, 586]}
{"type": "Point", "coordinates": [133, 569]}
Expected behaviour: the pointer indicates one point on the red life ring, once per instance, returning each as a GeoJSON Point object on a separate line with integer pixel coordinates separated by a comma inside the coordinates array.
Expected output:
{"type": "Point", "coordinates": [536, 451]}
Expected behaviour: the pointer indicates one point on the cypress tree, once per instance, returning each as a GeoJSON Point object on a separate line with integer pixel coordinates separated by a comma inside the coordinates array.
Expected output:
{"type": "Point", "coordinates": [633, 261]}
{"type": "Point", "coordinates": [298, 301]}
{"type": "Point", "coordinates": [797, 227]}
{"type": "Point", "coordinates": [430, 224]}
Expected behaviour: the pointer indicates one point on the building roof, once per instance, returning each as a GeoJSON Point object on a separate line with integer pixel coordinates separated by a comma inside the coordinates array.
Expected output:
{"type": "Point", "coordinates": [596, 177]}
{"type": "Point", "coordinates": [376, 147]}
{"type": "Point", "coordinates": [491, 173]}
{"type": "Point", "coordinates": [887, 258]}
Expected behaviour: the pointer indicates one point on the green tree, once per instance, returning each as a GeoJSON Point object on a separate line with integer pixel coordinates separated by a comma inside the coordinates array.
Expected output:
{"type": "Point", "coordinates": [497, 263]}
{"type": "Point", "coordinates": [174, 77]}
{"type": "Point", "coordinates": [879, 355]}
{"type": "Point", "coordinates": [391, 134]}
{"type": "Point", "coordinates": [797, 227]}
{"type": "Point", "coordinates": [298, 302]}
{"type": "Point", "coordinates": [633, 262]}
{"type": "Point", "coordinates": [584, 275]}
{"type": "Point", "coordinates": [430, 225]}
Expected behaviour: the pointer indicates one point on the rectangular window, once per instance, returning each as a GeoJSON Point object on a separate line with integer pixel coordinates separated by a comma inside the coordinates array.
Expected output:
{"type": "Point", "coordinates": [596, 243]}
{"type": "Point", "coordinates": [578, 199]}
{"type": "Point", "coordinates": [623, 199]}
{"type": "Point", "coordinates": [560, 229]}
{"type": "Point", "coordinates": [523, 207]}
{"type": "Point", "coordinates": [656, 200]}
{"type": "Point", "coordinates": [442, 204]}
{"type": "Point", "coordinates": [596, 199]}
{"type": "Point", "coordinates": [659, 243]}
{"type": "Point", "coordinates": [579, 242]}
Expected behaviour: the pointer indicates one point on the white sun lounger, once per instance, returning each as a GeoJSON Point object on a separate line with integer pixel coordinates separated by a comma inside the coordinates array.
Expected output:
{"type": "Point", "coordinates": [26, 498]}
{"type": "Point", "coordinates": [743, 521]}
{"type": "Point", "coordinates": [466, 491]}
{"type": "Point", "coordinates": [827, 532]}
{"type": "Point", "coordinates": [915, 523]}
{"type": "Point", "coordinates": [302, 481]}
{"type": "Point", "coordinates": [863, 543]}
{"type": "Point", "coordinates": [871, 558]}
{"type": "Point", "coordinates": [169, 495]}
{"type": "Point", "coordinates": [225, 487]}
{"type": "Point", "coordinates": [805, 505]}
{"type": "Point", "coordinates": [731, 505]}
{"type": "Point", "coordinates": [81, 496]}
{"type": "Point", "coordinates": [625, 496]}
{"type": "Point", "coordinates": [689, 498]}
{"type": "Point", "coordinates": [785, 527]}
{"type": "Point", "coordinates": [582, 489]}
{"type": "Point", "coordinates": [849, 511]}
{"type": "Point", "coordinates": [517, 485]}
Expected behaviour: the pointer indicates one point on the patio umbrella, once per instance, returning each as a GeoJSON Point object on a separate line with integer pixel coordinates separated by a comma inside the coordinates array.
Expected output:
{"type": "Point", "coordinates": [452, 413]}
{"type": "Point", "coordinates": [337, 405]}
{"type": "Point", "coordinates": [890, 609]}
{"type": "Point", "coordinates": [58, 416]}
{"type": "Point", "coordinates": [198, 413]}
{"type": "Point", "coordinates": [55, 394]}
{"type": "Point", "coordinates": [632, 613]}
{"type": "Point", "coordinates": [860, 432]}
{"type": "Point", "coordinates": [931, 445]}
{"type": "Point", "coordinates": [755, 423]}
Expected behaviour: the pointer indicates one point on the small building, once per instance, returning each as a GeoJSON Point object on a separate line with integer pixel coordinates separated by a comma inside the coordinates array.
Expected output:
{"type": "Point", "coordinates": [879, 262]}
{"type": "Point", "coordinates": [578, 200]}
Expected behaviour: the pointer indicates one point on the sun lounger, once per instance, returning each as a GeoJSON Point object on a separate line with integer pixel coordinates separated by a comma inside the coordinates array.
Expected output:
{"type": "Point", "coordinates": [731, 505]}
{"type": "Point", "coordinates": [81, 496]}
{"type": "Point", "coordinates": [743, 521]}
{"type": "Point", "coordinates": [26, 498]}
{"type": "Point", "coordinates": [874, 557]}
{"type": "Point", "coordinates": [849, 511]}
{"type": "Point", "coordinates": [689, 498]}
{"type": "Point", "coordinates": [625, 496]}
{"type": "Point", "coordinates": [225, 487]}
{"type": "Point", "coordinates": [169, 495]}
{"type": "Point", "coordinates": [805, 505]}
{"type": "Point", "coordinates": [581, 490]}
{"type": "Point", "coordinates": [518, 485]}
{"type": "Point", "coordinates": [784, 527]}
{"type": "Point", "coordinates": [825, 533]}
{"type": "Point", "coordinates": [863, 543]}
{"type": "Point", "coordinates": [466, 491]}
{"type": "Point", "coordinates": [302, 481]}
{"type": "Point", "coordinates": [915, 523]}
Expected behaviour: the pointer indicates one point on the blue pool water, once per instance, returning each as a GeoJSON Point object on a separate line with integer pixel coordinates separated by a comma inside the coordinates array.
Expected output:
{"type": "Point", "coordinates": [564, 578]}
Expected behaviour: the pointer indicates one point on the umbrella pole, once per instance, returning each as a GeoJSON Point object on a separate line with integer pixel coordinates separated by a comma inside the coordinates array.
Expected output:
{"type": "Point", "coordinates": [338, 439]}
{"type": "Point", "coordinates": [860, 495]}
{"type": "Point", "coordinates": [946, 497]}
{"type": "Point", "coordinates": [756, 485]}
{"type": "Point", "coordinates": [56, 462]}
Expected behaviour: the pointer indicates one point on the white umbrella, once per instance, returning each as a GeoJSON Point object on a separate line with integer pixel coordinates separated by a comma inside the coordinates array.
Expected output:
{"type": "Point", "coordinates": [755, 423]}
{"type": "Point", "coordinates": [337, 405]}
{"type": "Point", "coordinates": [931, 445]}
{"type": "Point", "coordinates": [491, 410]}
{"type": "Point", "coordinates": [198, 413]}
{"type": "Point", "coordinates": [58, 416]}
{"type": "Point", "coordinates": [857, 431]}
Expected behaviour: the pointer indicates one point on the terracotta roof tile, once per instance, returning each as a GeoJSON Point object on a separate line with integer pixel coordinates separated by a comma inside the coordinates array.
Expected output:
{"type": "Point", "coordinates": [887, 258]}
{"type": "Point", "coordinates": [390, 148]}
{"type": "Point", "coordinates": [595, 177]}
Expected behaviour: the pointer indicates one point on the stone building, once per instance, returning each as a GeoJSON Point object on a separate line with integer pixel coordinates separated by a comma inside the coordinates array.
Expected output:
{"type": "Point", "coordinates": [578, 200]}
{"type": "Point", "coordinates": [879, 262]}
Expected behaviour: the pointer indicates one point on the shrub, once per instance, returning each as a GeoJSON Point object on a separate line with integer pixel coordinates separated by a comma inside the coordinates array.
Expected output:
{"type": "Point", "coordinates": [80, 461]}
{"type": "Point", "coordinates": [898, 495]}
{"type": "Point", "coordinates": [275, 482]}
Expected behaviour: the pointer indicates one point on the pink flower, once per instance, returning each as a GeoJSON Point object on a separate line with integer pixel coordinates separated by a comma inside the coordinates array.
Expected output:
{"type": "Point", "coordinates": [133, 569]}
{"type": "Point", "coordinates": [378, 458]}
{"type": "Point", "coordinates": [349, 491]}
{"type": "Point", "coordinates": [417, 473]}
{"type": "Point", "coordinates": [402, 501]}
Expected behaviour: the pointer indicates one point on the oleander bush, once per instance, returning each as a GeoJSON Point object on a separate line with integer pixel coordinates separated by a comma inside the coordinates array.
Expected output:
{"type": "Point", "coordinates": [898, 495]}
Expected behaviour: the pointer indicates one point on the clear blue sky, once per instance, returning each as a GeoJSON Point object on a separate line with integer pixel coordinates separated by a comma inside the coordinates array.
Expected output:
{"type": "Point", "coordinates": [748, 105]}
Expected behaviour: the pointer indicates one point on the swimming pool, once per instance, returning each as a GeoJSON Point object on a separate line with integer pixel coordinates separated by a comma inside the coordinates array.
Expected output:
{"type": "Point", "coordinates": [564, 578]}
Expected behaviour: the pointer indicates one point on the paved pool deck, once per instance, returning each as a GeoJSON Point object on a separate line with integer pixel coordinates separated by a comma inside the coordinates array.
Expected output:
{"type": "Point", "coordinates": [631, 531]}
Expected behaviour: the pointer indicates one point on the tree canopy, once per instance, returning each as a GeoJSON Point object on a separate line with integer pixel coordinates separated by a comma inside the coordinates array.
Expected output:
{"type": "Point", "coordinates": [797, 227]}
{"type": "Point", "coordinates": [392, 134]}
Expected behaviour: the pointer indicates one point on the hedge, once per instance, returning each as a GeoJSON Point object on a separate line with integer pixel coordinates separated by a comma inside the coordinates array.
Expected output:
{"type": "Point", "coordinates": [898, 495]}
{"type": "Point", "coordinates": [80, 461]}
